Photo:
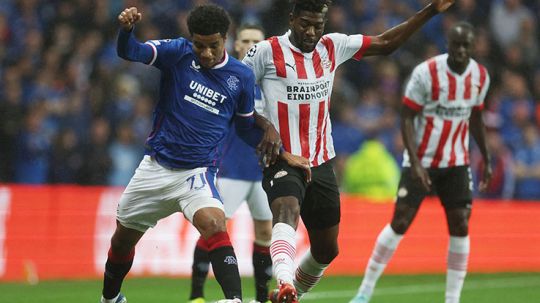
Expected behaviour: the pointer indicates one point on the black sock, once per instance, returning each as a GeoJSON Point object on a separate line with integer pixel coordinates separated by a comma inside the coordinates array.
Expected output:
{"type": "Point", "coordinates": [116, 270]}
{"type": "Point", "coordinates": [262, 269]}
{"type": "Point", "coordinates": [199, 272]}
{"type": "Point", "coordinates": [225, 265]}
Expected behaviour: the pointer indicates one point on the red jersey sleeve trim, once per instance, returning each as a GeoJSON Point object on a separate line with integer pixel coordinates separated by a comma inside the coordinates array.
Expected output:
{"type": "Point", "coordinates": [479, 107]}
{"type": "Point", "coordinates": [365, 45]}
{"type": "Point", "coordinates": [412, 104]}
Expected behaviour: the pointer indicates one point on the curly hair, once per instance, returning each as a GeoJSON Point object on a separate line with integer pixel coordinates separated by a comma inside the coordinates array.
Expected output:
{"type": "Point", "coordinates": [208, 20]}
{"type": "Point", "coordinates": [316, 6]}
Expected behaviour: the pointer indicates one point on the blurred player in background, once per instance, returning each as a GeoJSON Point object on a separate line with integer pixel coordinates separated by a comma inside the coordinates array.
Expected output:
{"type": "Point", "coordinates": [239, 180]}
{"type": "Point", "coordinates": [203, 91]}
{"type": "Point", "coordinates": [296, 73]}
{"type": "Point", "coordinates": [443, 99]}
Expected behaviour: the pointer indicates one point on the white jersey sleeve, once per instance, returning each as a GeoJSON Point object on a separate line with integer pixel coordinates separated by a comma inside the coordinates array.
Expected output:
{"type": "Point", "coordinates": [484, 87]}
{"type": "Point", "coordinates": [257, 58]}
{"type": "Point", "coordinates": [417, 89]}
{"type": "Point", "coordinates": [348, 46]}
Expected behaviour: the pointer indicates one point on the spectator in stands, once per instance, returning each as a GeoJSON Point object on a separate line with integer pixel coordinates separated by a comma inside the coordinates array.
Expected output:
{"type": "Point", "coordinates": [527, 168]}
{"type": "Point", "coordinates": [502, 180]}
{"type": "Point", "coordinates": [506, 20]}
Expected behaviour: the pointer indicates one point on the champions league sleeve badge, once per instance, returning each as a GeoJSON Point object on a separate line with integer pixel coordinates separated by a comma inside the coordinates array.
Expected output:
{"type": "Point", "coordinates": [251, 52]}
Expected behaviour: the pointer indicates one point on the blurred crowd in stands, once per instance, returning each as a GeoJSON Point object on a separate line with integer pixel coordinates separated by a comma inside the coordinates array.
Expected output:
{"type": "Point", "coordinates": [71, 111]}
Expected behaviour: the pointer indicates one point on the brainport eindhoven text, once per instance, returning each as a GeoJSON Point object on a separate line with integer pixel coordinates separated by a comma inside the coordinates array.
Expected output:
{"type": "Point", "coordinates": [308, 92]}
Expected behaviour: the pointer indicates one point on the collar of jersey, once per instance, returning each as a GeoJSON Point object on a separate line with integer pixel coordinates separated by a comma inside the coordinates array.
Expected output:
{"type": "Point", "coordinates": [294, 48]}
{"type": "Point", "coordinates": [223, 63]}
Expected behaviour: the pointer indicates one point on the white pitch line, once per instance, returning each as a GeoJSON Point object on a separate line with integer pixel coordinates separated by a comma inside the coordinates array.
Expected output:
{"type": "Point", "coordinates": [429, 288]}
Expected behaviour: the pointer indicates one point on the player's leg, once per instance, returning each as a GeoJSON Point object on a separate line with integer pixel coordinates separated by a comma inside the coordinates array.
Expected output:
{"type": "Point", "coordinates": [233, 193]}
{"type": "Point", "coordinates": [119, 261]}
{"type": "Point", "coordinates": [142, 204]}
{"type": "Point", "coordinates": [456, 197]}
{"type": "Point", "coordinates": [321, 215]}
{"type": "Point", "coordinates": [199, 271]}
{"type": "Point", "coordinates": [210, 221]}
{"type": "Point", "coordinates": [262, 223]}
{"type": "Point", "coordinates": [204, 209]}
{"type": "Point", "coordinates": [285, 188]}
{"type": "Point", "coordinates": [410, 195]}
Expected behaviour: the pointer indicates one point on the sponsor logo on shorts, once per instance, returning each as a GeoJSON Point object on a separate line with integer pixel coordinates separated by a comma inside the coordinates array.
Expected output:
{"type": "Point", "coordinates": [280, 174]}
{"type": "Point", "coordinates": [230, 260]}
{"type": "Point", "coordinates": [402, 192]}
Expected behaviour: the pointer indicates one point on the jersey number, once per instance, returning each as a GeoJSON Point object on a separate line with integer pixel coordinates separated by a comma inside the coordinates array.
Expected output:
{"type": "Point", "coordinates": [195, 184]}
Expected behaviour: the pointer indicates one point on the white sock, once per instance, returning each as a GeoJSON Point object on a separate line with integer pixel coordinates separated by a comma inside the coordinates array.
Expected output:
{"type": "Point", "coordinates": [458, 255]}
{"type": "Point", "coordinates": [308, 274]}
{"type": "Point", "coordinates": [283, 251]}
{"type": "Point", "coordinates": [386, 244]}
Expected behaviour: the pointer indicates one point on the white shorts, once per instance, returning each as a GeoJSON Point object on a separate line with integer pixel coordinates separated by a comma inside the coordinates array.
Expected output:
{"type": "Point", "coordinates": [155, 192]}
{"type": "Point", "coordinates": [234, 192]}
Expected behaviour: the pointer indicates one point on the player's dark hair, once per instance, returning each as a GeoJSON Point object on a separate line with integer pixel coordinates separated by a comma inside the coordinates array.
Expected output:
{"type": "Point", "coordinates": [249, 26]}
{"type": "Point", "coordinates": [208, 20]}
{"type": "Point", "coordinates": [314, 6]}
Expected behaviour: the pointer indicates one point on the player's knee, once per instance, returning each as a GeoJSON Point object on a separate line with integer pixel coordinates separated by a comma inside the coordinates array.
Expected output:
{"type": "Point", "coordinates": [286, 210]}
{"type": "Point", "coordinates": [211, 226]}
{"type": "Point", "coordinates": [119, 247]}
{"type": "Point", "coordinates": [325, 255]}
{"type": "Point", "coordinates": [459, 229]}
{"type": "Point", "coordinates": [400, 225]}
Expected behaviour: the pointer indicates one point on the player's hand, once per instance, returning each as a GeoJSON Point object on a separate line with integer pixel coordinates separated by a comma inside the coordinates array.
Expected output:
{"type": "Point", "coordinates": [421, 175]}
{"type": "Point", "coordinates": [442, 5]}
{"type": "Point", "coordinates": [486, 177]}
{"type": "Point", "coordinates": [268, 148]}
{"type": "Point", "coordinates": [128, 18]}
{"type": "Point", "coordinates": [297, 161]}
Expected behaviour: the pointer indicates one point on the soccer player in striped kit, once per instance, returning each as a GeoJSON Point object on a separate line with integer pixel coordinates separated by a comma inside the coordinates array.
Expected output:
{"type": "Point", "coordinates": [443, 100]}
{"type": "Point", "coordinates": [239, 180]}
{"type": "Point", "coordinates": [203, 92]}
{"type": "Point", "coordinates": [295, 72]}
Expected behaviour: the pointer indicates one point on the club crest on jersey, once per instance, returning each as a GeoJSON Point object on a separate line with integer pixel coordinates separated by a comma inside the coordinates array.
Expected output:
{"type": "Point", "coordinates": [251, 52]}
{"type": "Point", "coordinates": [232, 82]}
{"type": "Point", "coordinates": [280, 174]}
{"type": "Point", "coordinates": [326, 64]}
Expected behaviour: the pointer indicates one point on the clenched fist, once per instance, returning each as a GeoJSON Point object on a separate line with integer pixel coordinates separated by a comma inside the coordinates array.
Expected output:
{"type": "Point", "coordinates": [128, 18]}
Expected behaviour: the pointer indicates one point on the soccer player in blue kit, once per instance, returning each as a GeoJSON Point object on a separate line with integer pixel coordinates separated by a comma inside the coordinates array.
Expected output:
{"type": "Point", "coordinates": [202, 92]}
{"type": "Point", "coordinates": [239, 180]}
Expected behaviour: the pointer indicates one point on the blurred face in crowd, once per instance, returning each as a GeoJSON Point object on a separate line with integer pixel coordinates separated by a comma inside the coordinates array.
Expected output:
{"type": "Point", "coordinates": [246, 39]}
{"type": "Point", "coordinates": [210, 49]}
{"type": "Point", "coordinates": [460, 46]}
{"type": "Point", "coordinates": [306, 29]}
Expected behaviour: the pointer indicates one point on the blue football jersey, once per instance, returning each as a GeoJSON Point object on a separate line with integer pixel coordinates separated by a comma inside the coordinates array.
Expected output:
{"type": "Point", "coordinates": [196, 105]}
{"type": "Point", "coordinates": [239, 160]}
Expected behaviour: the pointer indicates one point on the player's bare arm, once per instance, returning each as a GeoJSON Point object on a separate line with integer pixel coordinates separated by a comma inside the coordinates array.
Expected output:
{"type": "Point", "coordinates": [408, 134]}
{"type": "Point", "coordinates": [478, 132]}
{"type": "Point", "coordinates": [270, 144]}
{"type": "Point", "coordinates": [128, 18]}
{"type": "Point", "coordinates": [392, 39]}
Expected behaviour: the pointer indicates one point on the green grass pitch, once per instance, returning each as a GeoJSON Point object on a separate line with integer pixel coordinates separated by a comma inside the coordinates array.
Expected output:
{"type": "Point", "coordinates": [479, 288]}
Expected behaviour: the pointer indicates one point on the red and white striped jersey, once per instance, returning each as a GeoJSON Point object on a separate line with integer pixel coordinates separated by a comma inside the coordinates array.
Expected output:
{"type": "Point", "coordinates": [444, 101]}
{"type": "Point", "coordinates": [297, 88]}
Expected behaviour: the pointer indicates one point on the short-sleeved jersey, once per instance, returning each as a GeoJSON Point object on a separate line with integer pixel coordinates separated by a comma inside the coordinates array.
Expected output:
{"type": "Point", "coordinates": [239, 160]}
{"type": "Point", "coordinates": [196, 105]}
{"type": "Point", "coordinates": [444, 101]}
{"type": "Point", "coordinates": [297, 87]}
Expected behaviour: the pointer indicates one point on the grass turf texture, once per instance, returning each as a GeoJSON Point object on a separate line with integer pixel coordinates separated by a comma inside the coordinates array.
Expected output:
{"type": "Point", "coordinates": [479, 288]}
